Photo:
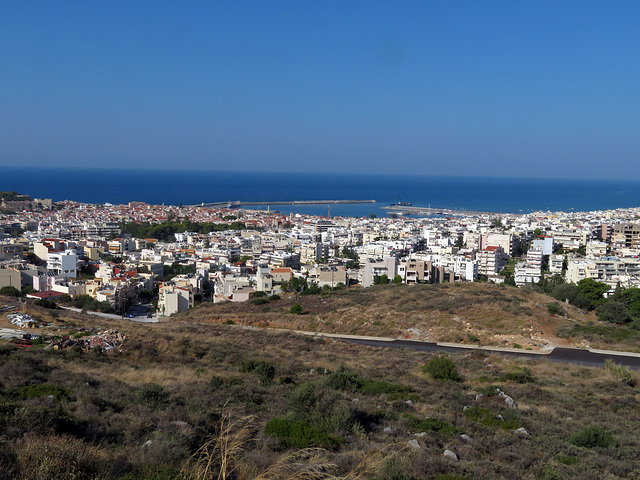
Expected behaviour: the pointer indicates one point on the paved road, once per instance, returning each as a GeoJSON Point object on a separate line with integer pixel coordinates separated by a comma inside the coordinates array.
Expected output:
{"type": "Point", "coordinates": [566, 355]}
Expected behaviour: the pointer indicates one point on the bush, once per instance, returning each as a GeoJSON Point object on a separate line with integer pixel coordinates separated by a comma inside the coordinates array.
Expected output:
{"type": "Point", "coordinates": [525, 376]}
{"type": "Point", "coordinates": [298, 434]}
{"type": "Point", "coordinates": [274, 297]}
{"type": "Point", "coordinates": [442, 368]}
{"type": "Point", "coordinates": [10, 292]}
{"type": "Point", "coordinates": [346, 380]}
{"type": "Point", "coordinates": [593, 436]}
{"type": "Point", "coordinates": [44, 390]}
{"type": "Point", "coordinates": [259, 301]}
{"type": "Point", "coordinates": [46, 303]}
{"type": "Point", "coordinates": [613, 311]}
{"type": "Point", "coordinates": [320, 407]}
{"type": "Point", "coordinates": [259, 294]}
{"type": "Point", "coordinates": [153, 396]}
{"type": "Point", "coordinates": [265, 371]}
{"type": "Point", "coordinates": [555, 309]}
{"type": "Point", "coordinates": [620, 372]}
{"type": "Point", "coordinates": [430, 425]}
{"type": "Point", "coordinates": [296, 309]}
{"type": "Point", "coordinates": [488, 419]}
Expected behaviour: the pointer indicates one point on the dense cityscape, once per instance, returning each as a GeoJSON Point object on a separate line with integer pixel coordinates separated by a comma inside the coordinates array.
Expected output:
{"type": "Point", "coordinates": [169, 258]}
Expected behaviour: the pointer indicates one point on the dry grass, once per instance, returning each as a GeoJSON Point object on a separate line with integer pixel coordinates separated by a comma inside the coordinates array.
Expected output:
{"type": "Point", "coordinates": [462, 313]}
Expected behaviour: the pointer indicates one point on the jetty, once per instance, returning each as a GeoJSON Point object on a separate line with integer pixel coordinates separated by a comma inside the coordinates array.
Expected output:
{"type": "Point", "coordinates": [430, 211]}
{"type": "Point", "coordinates": [239, 203]}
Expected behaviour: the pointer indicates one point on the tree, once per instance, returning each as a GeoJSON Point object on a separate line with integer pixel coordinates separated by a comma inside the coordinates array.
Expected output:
{"type": "Point", "coordinates": [590, 293]}
{"type": "Point", "coordinates": [296, 309]}
{"type": "Point", "coordinates": [10, 292]}
{"type": "Point", "coordinates": [564, 292]}
{"type": "Point", "coordinates": [372, 215]}
{"type": "Point", "coordinates": [397, 279]}
{"type": "Point", "coordinates": [537, 232]}
{"type": "Point", "coordinates": [613, 311]}
{"type": "Point", "coordinates": [384, 279]}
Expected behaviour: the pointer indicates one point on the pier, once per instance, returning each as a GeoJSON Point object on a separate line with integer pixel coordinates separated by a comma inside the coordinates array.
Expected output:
{"type": "Point", "coordinates": [290, 202]}
{"type": "Point", "coordinates": [429, 211]}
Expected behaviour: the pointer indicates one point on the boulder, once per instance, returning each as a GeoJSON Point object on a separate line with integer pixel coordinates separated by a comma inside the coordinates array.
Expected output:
{"type": "Point", "coordinates": [451, 455]}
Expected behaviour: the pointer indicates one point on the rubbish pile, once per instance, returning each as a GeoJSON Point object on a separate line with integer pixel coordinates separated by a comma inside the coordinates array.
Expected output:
{"type": "Point", "coordinates": [23, 320]}
{"type": "Point", "coordinates": [106, 341]}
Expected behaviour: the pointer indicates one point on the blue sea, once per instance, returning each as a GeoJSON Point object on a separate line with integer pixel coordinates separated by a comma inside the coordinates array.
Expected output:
{"type": "Point", "coordinates": [173, 187]}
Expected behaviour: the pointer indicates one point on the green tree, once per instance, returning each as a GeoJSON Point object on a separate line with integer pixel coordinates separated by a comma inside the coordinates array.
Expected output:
{"type": "Point", "coordinates": [384, 279]}
{"type": "Point", "coordinates": [564, 292]}
{"type": "Point", "coordinates": [397, 279]}
{"type": "Point", "coordinates": [10, 292]}
{"type": "Point", "coordinates": [590, 294]}
{"type": "Point", "coordinates": [296, 309]}
{"type": "Point", "coordinates": [613, 311]}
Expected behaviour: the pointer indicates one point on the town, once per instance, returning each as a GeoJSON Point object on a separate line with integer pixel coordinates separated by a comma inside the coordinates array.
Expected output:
{"type": "Point", "coordinates": [143, 260]}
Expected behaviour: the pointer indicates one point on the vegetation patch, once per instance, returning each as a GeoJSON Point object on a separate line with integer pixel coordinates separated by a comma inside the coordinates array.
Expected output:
{"type": "Point", "coordinates": [442, 368]}
{"type": "Point", "coordinates": [489, 419]}
{"type": "Point", "coordinates": [593, 436]}
{"type": "Point", "coordinates": [419, 425]}
{"type": "Point", "coordinates": [44, 390]}
{"type": "Point", "coordinates": [299, 434]}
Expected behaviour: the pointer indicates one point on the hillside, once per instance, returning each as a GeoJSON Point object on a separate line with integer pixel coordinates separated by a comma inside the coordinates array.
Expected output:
{"type": "Point", "coordinates": [469, 313]}
{"type": "Point", "coordinates": [169, 395]}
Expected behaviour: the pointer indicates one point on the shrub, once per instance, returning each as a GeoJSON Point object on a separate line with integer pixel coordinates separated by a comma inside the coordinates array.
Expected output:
{"type": "Point", "coordinates": [259, 301]}
{"type": "Point", "coordinates": [264, 370]}
{"type": "Point", "coordinates": [259, 294]}
{"type": "Point", "coordinates": [555, 309]}
{"type": "Point", "coordinates": [567, 459]}
{"type": "Point", "coordinates": [298, 434]}
{"type": "Point", "coordinates": [620, 372]}
{"type": "Point", "coordinates": [274, 297]}
{"type": "Point", "coordinates": [46, 303]}
{"type": "Point", "coordinates": [613, 311]}
{"type": "Point", "coordinates": [296, 309]}
{"type": "Point", "coordinates": [430, 425]}
{"type": "Point", "coordinates": [442, 368]}
{"type": "Point", "coordinates": [345, 379]}
{"type": "Point", "coordinates": [44, 390]}
{"type": "Point", "coordinates": [593, 436]}
{"type": "Point", "coordinates": [320, 407]}
{"type": "Point", "coordinates": [525, 376]}
{"type": "Point", "coordinates": [488, 419]}
{"type": "Point", "coordinates": [153, 396]}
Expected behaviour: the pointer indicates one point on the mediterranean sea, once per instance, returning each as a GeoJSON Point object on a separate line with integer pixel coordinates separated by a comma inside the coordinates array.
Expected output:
{"type": "Point", "coordinates": [187, 187]}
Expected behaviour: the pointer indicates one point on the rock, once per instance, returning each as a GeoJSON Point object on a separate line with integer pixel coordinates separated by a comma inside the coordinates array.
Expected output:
{"type": "Point", "coordinates": [147, 444]}
{"type": "Point", "coordinates": [464, 409]}
{"type": "Point", "coordinates": [507, 399]}
{"type": "Point", "coordinates": [421, 434]}
{"type": "Point", "coordinates": [312, 371]}
{"type": "Point", "coordinates": [451, 455]}
{"type": "Point", "coordinates": [569, 419]}
{"type": "Point", "coordinates": [466, 438]}
{"type": "Point", "coordinates": [355, 400]}
{"type": "Point", "coordinates": [522, 431]}
{"type": "Point", "coordinates": [409, 402]}
{"type": "Point", "coordinates": [388, 430]}
{"type": "Point", "coordinates": [479, 396]}
{"type": "Point", "coordinates": [500, 417]}
{"type": "Point", "coordinates": [414, 444]}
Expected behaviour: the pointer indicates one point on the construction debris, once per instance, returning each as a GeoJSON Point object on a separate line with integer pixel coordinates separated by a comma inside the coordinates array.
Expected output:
{"type": "Point", "coordinates": [106, 341]}
{"type": "Point", "coordinates": [24, 320]}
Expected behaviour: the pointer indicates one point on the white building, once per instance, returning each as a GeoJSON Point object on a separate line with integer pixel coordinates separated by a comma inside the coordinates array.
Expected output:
{"type": "Point", "coordinates": [63, 263]}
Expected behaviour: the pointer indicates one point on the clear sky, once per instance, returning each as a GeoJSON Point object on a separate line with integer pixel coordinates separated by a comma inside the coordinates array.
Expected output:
{"type": "Point", "coordinates": [516, 88]}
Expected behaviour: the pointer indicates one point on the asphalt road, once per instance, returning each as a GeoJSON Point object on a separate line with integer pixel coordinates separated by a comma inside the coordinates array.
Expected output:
{"type": "Point", "coordinates": [565, 355]}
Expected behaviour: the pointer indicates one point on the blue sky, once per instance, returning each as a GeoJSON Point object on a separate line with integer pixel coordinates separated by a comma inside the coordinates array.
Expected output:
{"type": "Point", "coordinates": [508, 88]}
